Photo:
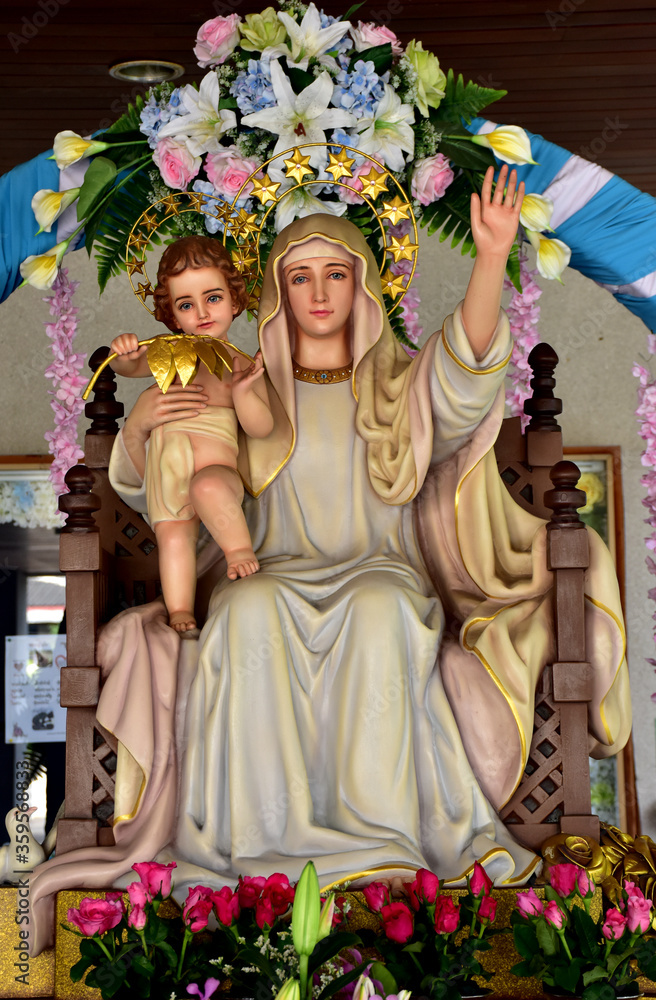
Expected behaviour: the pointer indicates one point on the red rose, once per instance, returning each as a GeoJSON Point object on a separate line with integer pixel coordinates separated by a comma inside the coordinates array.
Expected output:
{"type": "Point", "coordinates": [96, 916]}
{"type": "Point", "coordinates": [447, 915]}
{"type": "Point", "coordinates": [487, 911]}
{"type": "Point", "coordinates": [564, 878]}
{"type": "Point", "coordinates": [197, 908]}
{"type": "Point", "coordinates": [155, 877]}
{"type": "Point", "coordinates": [376, 895]}
{"type": "Point", "coordinates": [424, 889]}
{"type": "Point", "coordinates": [480, 882]}
{"type": "Point", "coordinates": [277, 896]}
{"type": "Point", "coordinates": [249, 890]}
{"type": "Point", "coordinates": [226, 905]}
{"type": "Point", "coordinates": [398, 922]}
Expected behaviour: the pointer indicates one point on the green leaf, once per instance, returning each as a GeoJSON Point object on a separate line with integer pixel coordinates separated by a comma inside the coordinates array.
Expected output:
{"type": "Point", "coordinates": [380, 972]}
{"type": "Point", "coordinates": [299, 78]}
{"type": "Point", "coordinates": [512, 266]}
{"type": "Point", "coordinates": [331, 946]}
{"type": "Point", "coordinates": [547, 938]}
{"type": "Point", "coordinates": [593, 975]}
{"type": "Point", "coordinates": [78, 970]}
{"type": "Point", "coordinates": [567, 976]}
{"type": "Point", "coordinates": [143, 966]}
{"type": "Point", "coordinates": [457, 145]}
{"type": "Point", "coordinates": [525, 940]}
{"type": "Point", "coordinates": [335, 985]}
{"type": "Point", "coordinates": [586, 931]}
{"type": "Point", "coordinates": [99, 177]}
{"type": "Point", "coordinates": [169, 953]}
{"type": "Point", "coordinates": [129, 121]}
{"type": "Point", "coordinates": [466, 100]}
{"type": "Point", "coordinates": [522, 969]}
{"type": "Point", "coordinates": [227, 103]}
{"type": "Point", "coordinates": [352, 9]}
{"type": "Point", "coordinates": [380, 55]}
{"type": "Point", "coordinates": [448, 211]}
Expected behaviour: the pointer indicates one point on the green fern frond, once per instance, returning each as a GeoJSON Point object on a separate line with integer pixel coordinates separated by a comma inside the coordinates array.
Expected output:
{"type": "Point", "coordinates": [129, 121]}
{"type": "Point", "coordinates": [451, 215]}
{"type": "Point", "coordinates": [398, 327]}
{"type": "Point", "coordinates": [110, 234]}
{"type": "Point", "coordinates": [465, 100]}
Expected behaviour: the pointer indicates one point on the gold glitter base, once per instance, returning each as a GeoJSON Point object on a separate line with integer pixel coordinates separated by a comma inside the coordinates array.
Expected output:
{"type": "Point", "coordinates": [37, 975]}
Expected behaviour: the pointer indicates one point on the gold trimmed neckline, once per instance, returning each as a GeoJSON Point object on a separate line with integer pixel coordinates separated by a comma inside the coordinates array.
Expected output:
{"type": "Point", "coordinates": [322, 376]}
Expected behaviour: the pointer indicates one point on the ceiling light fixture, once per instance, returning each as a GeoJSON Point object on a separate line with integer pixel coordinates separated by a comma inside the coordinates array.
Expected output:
{"type": "Point", "coordinates": [146, 70]}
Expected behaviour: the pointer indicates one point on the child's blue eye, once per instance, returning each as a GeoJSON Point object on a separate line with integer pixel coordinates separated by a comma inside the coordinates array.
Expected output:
{"type": "Point", "coordinates": [184, 306]}
{"type": "Point", "coordinates": [214, 298]}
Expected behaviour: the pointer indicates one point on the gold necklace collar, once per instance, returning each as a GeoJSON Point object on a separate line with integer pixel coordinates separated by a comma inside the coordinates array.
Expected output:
{"type": "Point", "coordinates": [322, 376]}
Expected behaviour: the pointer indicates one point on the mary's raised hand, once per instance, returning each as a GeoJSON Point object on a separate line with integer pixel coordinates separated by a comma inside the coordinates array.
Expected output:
{"type": "Point", "coordinates": [495, 215]}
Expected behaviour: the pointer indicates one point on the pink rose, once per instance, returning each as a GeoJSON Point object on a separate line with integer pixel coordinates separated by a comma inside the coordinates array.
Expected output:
{"type": "Point", "coordinates": [344, 193]}
{"type": "Point", "coordinates": [430, 179]}
{"type": "Point", "coordinates": [227, 171]}
{"type": "Point", "coordinates": [639, 914]}
{"type": "Point", "coordinates": [614, 925]}
{"type": "Point", "coordinates": [424, 889]}
{"type": "Point", "coordinates": [226, 905]}
{"type": "Point", "coordinates": [631, 889]}
{"type": "Point", "coordinates": [367, 35]}
{"type": "Point", "coordinates": [376, 895]}
{"type": "Point", "coordinates": [564, 878]}
{"type": "Point", "coordinates": [277, 896]}
{"type": "Point", "coordinates": [96, 916]}
{"type": "Point", "coordinates": [249, 890]}
{"type": "Point", "coordinates": [447, 915]}
{"type": "Point", "coordinates": [487, 911]}
{"type": "Point", "coordinates": [480, 882]}
{"type": "Point", "coordinates": [585, 884]}
{"type": "Point", "coordinates": [138, 894]}
{"type": "Point", "coordinates": [176, 164]}
{"type": "Point", "coordinates": [398, 922]}
{"type": "Point", "coordinates": [554, 915]}
{"type": "Point", "coordinates": [155, 877]}
{"type": "Point", "coordinates": [216, 40]}
{"type": "Point", "coordinates": [197, 908]}
{"type": "Point", "coordinates": [116, 895]}
{"type": "Point", "coordinates": [528, 904]}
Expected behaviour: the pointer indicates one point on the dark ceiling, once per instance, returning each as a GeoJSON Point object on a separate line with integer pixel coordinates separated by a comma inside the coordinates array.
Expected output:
{"type": "Point", "coordinates": [580, 72]}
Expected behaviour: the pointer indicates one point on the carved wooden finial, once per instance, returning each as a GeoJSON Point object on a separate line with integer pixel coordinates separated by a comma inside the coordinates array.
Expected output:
{"type": "Point", "coordinates": [79, 505]}
{"type": "Point", "coordinates": [542, 407]}
{"type": "Point", "coordinates": [565, 499]}
{"type": "Point", "coordinates": [104, 410]}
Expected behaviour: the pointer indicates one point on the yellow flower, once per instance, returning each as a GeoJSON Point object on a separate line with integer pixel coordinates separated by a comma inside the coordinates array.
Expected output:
{"type": "Point", "coordinates": [536, 212]}
{"type": "Point", "coordinates": [508, 142]}
{"type": "Point", "coordinates": [48, 206]}
{"type": "Point", "coordinates": [69, 147]}
{"type": "Point", "coordinates": [40, 271]}
{"type": "Point", "coordinates": [431, 81]}
{"type": "Point", "coordinates": [594, 491]}
{"type": "Point", "coordinates": [553, 255]}
{"type": "Point", "coordinates": [262, 30]}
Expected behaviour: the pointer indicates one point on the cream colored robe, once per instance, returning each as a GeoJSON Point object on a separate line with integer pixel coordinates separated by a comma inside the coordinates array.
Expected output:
{"type": "Point", "coordinates": [318, 721]}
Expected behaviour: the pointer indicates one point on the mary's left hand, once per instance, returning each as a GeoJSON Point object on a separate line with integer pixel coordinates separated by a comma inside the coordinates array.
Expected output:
{"type": "Point", "coordinates": [495, 217]}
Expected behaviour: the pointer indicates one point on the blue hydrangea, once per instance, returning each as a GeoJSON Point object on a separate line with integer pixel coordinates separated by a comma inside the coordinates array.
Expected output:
{"type": "Point", "coordinates": [252, 89]}
{"type": "Point", "coordinates": [345, 43]}
{"type": "Point", "coordinates": [211, 224]}
{"type": "Point", "coordinates": [157, 113]}
{"type": "Point", "coordinates": [359, 91]}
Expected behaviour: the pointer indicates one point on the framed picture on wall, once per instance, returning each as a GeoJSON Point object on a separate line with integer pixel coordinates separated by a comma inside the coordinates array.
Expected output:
{"type": "Point", "coordinates": [27, 498]}
{"type": "Point", "coordinates": [613, 780]}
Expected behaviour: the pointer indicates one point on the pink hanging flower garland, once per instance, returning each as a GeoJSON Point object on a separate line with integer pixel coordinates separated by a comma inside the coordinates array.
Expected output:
{"type": "Point", "coordinates": [67, 383]}
{"type": "Point", "coordinates": [523, 313]}
{"type": "Point", "coordinates": [646, 416]}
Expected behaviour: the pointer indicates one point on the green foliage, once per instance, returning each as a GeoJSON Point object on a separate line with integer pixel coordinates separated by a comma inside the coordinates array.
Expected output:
{"type": "Point", "coordinates": [512, 267]}
{"type": "Point", "coordinates": [587, 933]}
{"type": "Point", "coordinates": [456, 144]}
{"type": "Point", "coordinates": [352, 9]}
{"type": "Point", "coordinates": [129, 121]}
{"type": "Point", "coordinates": [465, 100]}
{"type": "Point", "coordinates": [100, 175]}
{"type": "Point", "coordinates": [380, 55]}
{"type": "Point", "coordinates": [451, 214]}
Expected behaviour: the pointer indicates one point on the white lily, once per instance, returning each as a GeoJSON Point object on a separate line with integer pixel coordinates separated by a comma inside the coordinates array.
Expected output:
{"type": "Point", "coordinates": [536, 212]}
{"type": "Point", "coordinates": [48, 205]}
{"type": "Point", "coordinates": [385, 134]}
{"type": "Point", "coordinates": [309, 40]}
{"type": "Point", "coordinates": [553, 255]}
{"type": "Point", "coordinates": [507, 142]}
{"type": "Point", "coordinates": [302, 118]}
{"type": "Point", "coordinates": [40, 270]}
{"type": "Point", "coordinates": [204, 124]}
{"type": "Point", "coordinates": [301, 202]}
{"type": "Point", "coordinates": [69, 147]}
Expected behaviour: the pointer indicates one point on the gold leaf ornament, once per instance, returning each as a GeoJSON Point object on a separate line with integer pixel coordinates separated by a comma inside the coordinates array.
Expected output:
{"type": "Point", "coordinates": [206, 354]}
{"type": "Point", "coordinates": [186, 359]}
{"type": "Point", "coordinates": [161, 363]}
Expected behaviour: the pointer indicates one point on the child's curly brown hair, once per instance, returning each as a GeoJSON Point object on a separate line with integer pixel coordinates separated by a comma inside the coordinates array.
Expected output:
{"type": "Point", "coordinates": [195, 252]}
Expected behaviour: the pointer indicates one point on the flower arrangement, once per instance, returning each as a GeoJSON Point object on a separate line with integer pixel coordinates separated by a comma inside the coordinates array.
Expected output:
{"type": "Point", "coordinates": [274, 81]}
{"type": "Point", "coordinates": [561, 944]}
{"type": "Point", "coordinates": [430, 943]}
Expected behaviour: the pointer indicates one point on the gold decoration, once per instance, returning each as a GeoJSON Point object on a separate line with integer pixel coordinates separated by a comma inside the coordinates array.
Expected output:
{"type": "Point", "coordinates": [244, 258]}
{"type": "Point", "coordinates": [393, 284]}
{"type": "Point", "coordinates": [402, 249]}
{"type": "Point", "coordinates": [265, 189]}
{"type": "Point", "coordinates": [185, 357]}
{"type": "Point", "coordinates": [340, 165]}
{"type": "Point", "coordinates": [395, 210]}
{"type": "Point", "coordinates": [248, 223]}
{"type": "Point", "coordinates": [196, 201]}
{"type": "Point", "coordinates": [581, 851]}
{"type": "Point", "coordinates": [373, 183]}
{"type": "Point", "coordinates": [322, 376]}
{"type": "Point", "coordinates": [298, 166]}
{"type": "Point", "coordinates": [135, 266]}
{"type": "Point", "coordinates": [170, 205]}
{"type": "Point", "coordinates": [136, 242]}
{"type": "Point", "coordinates": [161, 363]}
{"type": "Point", "coordinates": [144, 289]}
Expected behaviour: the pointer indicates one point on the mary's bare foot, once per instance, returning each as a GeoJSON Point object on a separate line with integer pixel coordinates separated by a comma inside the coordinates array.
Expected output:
{"type": "Point", "coordinates": [241, 562]}
{"type": "Point", "coordinates": [183, 621]}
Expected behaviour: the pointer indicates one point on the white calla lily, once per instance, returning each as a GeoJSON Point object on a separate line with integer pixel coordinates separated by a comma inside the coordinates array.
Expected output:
{"type": "Point", "coordinates": [300, 118]}
{"type": "Point", "coordinates": [536, 212]}
{"type": "Point", "coordinates": [553, 255]}
{"type": "Point", "coordinates": [308, 39]}
{"type": "Point", "coordinates": [204, 124]}
{"type": "Point", "coordinates": [507, 142]}
{"type": "Point", "coordinates": [69, 147]}
{"type": "Point", "coordinates": [48, 205]}
{"type": "Point", "coordinates": [40, 270]}
{"type": "Point", "coordinates": [388, 131]}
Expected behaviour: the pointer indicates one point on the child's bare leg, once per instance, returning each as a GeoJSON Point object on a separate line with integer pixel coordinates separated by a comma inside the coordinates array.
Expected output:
{"type": "Point", "coordinates": [216, 493]}
{"type": "Point", "coordinates": [176, 541]}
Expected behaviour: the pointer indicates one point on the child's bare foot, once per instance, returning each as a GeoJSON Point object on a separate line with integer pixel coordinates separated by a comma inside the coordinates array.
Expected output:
{"type": "Point", "coordinates": [184, 623]}
{"type": "Point", "coordinates": [241, 562]}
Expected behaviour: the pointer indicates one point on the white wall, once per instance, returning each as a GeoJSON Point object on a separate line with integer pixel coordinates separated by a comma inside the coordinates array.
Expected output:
{"type": "Point", "coordinates": [597, 341]}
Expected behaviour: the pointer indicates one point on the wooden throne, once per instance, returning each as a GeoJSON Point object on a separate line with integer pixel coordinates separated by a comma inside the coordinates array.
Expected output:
{"type": "Point", "coordinates": [109, 558]}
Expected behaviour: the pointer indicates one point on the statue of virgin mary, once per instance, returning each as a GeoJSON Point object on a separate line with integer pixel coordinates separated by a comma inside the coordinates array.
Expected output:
{"type": "Point", "coordinates": [366, 699]}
